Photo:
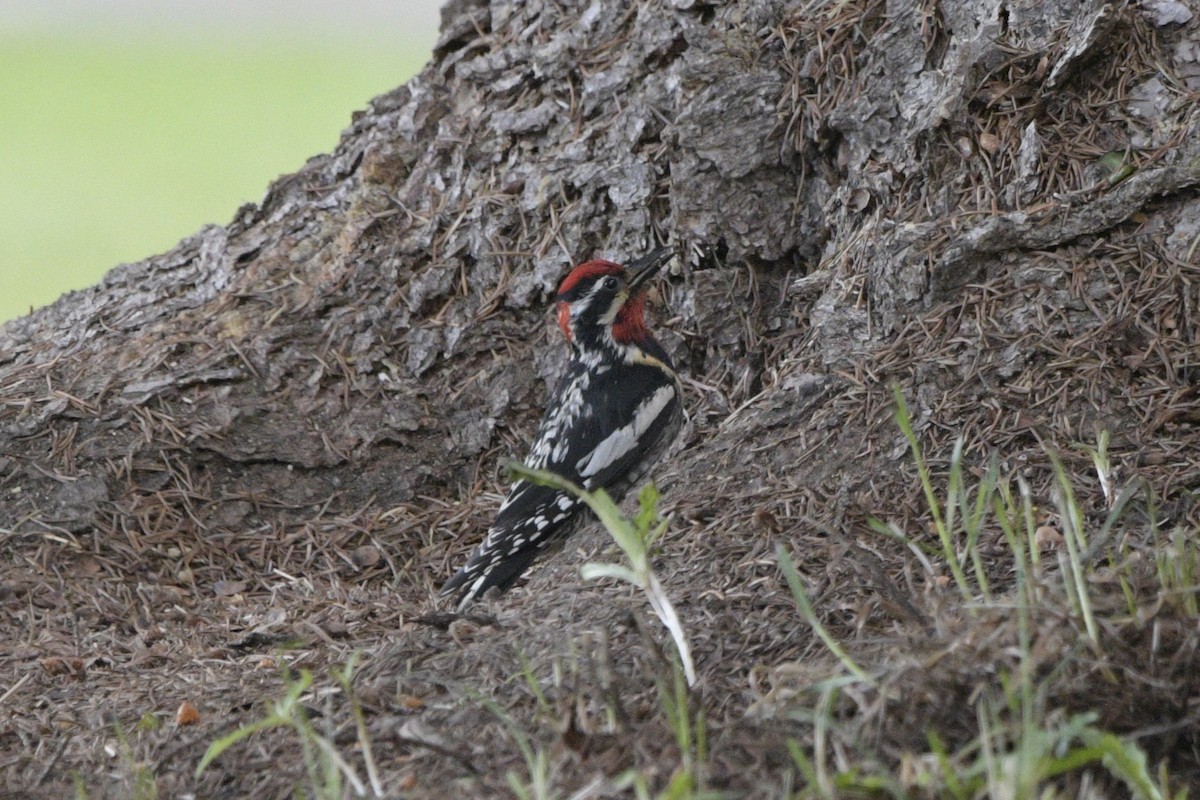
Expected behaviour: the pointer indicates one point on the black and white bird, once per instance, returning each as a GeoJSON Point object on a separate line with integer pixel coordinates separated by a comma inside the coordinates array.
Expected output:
{"type": "Point", "coordinates": [615, 412]}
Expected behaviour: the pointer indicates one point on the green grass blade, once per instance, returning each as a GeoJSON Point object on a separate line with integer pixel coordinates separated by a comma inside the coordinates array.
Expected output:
{"type": "Point", "coordinates": [935, 509]}
{"type": "Point", "coordinates": [788, 568]}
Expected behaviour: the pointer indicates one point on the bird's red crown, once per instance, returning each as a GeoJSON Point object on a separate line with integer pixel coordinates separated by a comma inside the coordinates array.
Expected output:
{"type": "Point", "coordinates": [588, 269]}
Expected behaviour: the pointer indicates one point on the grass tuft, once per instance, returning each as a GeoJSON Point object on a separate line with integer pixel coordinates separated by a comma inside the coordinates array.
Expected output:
{"type": "Point", "coordinates": [1026, 741]}
{"type": "Point", "coordinates": [324, 766]}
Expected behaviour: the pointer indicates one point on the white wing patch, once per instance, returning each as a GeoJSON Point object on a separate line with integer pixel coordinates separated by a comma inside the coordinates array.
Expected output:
{"type": "Point", "coordinates": [625, 438]}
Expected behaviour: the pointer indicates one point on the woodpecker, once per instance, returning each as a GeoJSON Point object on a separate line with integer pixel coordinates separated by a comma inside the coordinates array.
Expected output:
{"type": "Point", "coordinates": [615, 412]}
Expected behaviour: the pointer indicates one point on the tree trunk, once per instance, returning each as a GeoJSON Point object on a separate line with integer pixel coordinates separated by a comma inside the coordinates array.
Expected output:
{"type": "Point", "coordinates": [289, 428]}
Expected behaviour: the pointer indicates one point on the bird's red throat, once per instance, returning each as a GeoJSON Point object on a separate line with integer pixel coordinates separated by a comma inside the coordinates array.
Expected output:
{"type": "Point", "coordinates": [628, 328]}
{"type": "Point", "coordinates": [630, 325]}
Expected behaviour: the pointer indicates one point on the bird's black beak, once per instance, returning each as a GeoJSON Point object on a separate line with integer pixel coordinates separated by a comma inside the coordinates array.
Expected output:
{"type": "Point", "coordinates": [646, 267]}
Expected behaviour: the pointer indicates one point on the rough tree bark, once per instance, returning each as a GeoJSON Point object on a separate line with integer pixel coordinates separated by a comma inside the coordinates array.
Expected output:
{"type": "Point", "coordinates": [288, 427]}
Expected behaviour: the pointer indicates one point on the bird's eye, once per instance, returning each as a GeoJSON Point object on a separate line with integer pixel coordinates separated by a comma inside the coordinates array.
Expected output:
{"type": "Point", "coordinates": [611, 283]}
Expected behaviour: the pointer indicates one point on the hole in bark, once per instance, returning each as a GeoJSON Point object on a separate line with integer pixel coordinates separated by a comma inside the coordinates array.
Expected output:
{"type": "Point", "coordinates": [660, 59]}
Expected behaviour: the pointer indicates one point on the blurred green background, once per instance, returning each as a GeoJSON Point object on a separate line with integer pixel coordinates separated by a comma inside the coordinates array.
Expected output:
{"type": "Point", "coordinates": [121, 134]}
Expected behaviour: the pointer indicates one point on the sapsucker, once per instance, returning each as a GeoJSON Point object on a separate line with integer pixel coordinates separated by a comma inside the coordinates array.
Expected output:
{"type": "Point", "coordinates": [615, 411]}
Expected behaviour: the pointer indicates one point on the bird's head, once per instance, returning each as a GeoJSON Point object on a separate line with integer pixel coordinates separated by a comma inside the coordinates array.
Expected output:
{"type": "Point", "coordinates": [599, 297]}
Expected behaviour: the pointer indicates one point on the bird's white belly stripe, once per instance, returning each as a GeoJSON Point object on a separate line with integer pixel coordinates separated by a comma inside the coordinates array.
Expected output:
{"type": "Point", "coordinates": [625, 438]}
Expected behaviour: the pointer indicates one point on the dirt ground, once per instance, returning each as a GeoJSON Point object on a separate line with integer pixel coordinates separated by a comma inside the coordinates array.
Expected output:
{"type": "Point", "coordinates": [185, 593]}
